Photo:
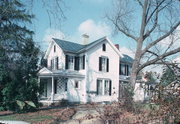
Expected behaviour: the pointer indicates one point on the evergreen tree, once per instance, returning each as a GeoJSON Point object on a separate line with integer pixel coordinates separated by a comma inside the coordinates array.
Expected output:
{"type": "Point", "coordinates": [168, 76]}
{"type": "Point", "coordinates": [18, 57]}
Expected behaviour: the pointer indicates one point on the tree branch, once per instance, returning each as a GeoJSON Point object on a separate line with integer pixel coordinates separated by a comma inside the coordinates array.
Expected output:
{"type": "Point", "coordinates": [154, 26]}
{"type": "Point", "coordinates": [160, 38]}
{"type": "Point", "coordinates": [121, 30]}
{"type": "Point", "coordinates": [156, 9]}
{"type": "Point", "coordinates": [140, 3]}
{"type": "Point", "coordinates": [153, 61]}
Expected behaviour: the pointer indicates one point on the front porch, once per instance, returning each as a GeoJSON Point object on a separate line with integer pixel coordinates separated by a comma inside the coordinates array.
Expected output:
{"type": "Point", "coordinates": [60, 85]}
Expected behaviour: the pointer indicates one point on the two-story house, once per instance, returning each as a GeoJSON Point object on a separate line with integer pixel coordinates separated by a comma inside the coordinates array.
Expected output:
{"type": "Point", "coordinates": [81, 72]}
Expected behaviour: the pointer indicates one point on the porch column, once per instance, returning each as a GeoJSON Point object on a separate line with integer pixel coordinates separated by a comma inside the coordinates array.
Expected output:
{"type": "Point", "coordinates": [52, 93]}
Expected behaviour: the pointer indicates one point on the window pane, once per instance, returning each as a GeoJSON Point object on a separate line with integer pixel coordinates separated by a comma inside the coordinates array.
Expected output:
{"type": "Point", "coordinates": [100, 87]}
{"type": "Point", "coordinates": [81, 63]}
{"type": "Point", "coordinates": [106, 87]}
{"type": "Point", "coordinates": [104, 60]}
{"type": "Point", "coordinates": [71, 62]}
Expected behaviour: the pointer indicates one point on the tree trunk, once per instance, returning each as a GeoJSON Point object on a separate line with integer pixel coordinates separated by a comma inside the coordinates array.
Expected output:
{"type": "Point", "coordinates": [136, 63]}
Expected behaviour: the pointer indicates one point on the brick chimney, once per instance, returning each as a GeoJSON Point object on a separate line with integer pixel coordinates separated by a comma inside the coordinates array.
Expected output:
{"type": "Point", "coordinates": [117, 46]}
{"type": "Point", "coordinates": [85, 39]}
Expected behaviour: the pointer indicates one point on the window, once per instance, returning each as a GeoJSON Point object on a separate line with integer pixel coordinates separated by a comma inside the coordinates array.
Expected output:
{"type": "Point", "coordinates": [52, 64]}
{"type": "Point", "coordinates": [71, 62]}
{"type": "Point", "coordinates": [76, 84]}
{"type": "Point", "coordinates": [54, 48]}
{"type": "Point", "coordinates": [103, 64]}
{"type": "Point", "coordinates": [104, 47]}
{"type": "Point", "coordinates": [56, 62]}
{"type": "Point", "coordinates": [103, 87]}
{"type": "Point", "coordinates": [125, 69]}
{"type": "Point", "coordinates": [122, 69]}
{"type": "Point", "coordinates": [99, 87]}
{"type": "Point", "coordinates": [82, 62]}
{"type": "Point", "coordinates": [106, 87]}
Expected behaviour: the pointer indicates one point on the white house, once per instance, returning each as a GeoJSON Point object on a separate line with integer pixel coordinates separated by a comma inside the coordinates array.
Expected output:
{"type": "Point", "coordinates": [81, 72]}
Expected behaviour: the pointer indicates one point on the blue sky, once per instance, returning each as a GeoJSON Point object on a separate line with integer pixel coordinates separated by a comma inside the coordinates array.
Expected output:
{"type": "Point", "coordinates": [83, 16]}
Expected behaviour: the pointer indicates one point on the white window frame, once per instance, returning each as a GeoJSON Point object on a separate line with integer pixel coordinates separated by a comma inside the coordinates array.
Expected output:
{"type": "Point", "coordinates": [54, 63]}
{"type": "Point", "coordinates": [81, 63]}
{"type": "Point", "coordinates": [104, 63]}
{"type": "Point", "coordinates": [104, 90]}
{"type": "Point", "coordinates": [71, 62]}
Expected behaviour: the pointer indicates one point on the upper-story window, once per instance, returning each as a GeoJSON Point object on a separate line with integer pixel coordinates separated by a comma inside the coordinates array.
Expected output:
{"type": "Point", "coordinates": [125, 69]}
{"type": "Point", "coordinates": [82, 62]}
{"type": "Point", "coordinates": [69, 62]}
{"type": "Point", "coordinates": [54, 48]}
{"type": "Point", "coordinates": [104, 47]}
{"type": "Point", "coordinates": [103, 64]}
{"type": "Point", "coordinates": [55, 63]}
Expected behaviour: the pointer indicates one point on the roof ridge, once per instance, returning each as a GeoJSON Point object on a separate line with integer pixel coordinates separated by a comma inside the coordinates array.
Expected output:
{"type": "Point", "coordinates": [66, 41]}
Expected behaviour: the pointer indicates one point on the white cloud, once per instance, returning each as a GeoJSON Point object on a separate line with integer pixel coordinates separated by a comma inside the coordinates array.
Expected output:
{"type": "Point", "coordinates": [177, 59]}
{"type": "Point", "coordinates": [93, 29]}
{"type": "Point", "coordinates": [53, 33]}
{"type": "Point", "coordinates": [175, 38]}
{"type": "Point", "coordinates": [127, 51]}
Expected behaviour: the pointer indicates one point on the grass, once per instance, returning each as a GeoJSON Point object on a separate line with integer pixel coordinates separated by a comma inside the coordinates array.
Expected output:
{"type": "Point", "coordinates": [26, 117]}
{"type": "Point", "coordinates": [42, 116]}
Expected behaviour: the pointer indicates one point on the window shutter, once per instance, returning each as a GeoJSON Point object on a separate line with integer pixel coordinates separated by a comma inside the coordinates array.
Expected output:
{"type": "Point", "coordinates": [107, 66]}
{"type": "Point", "coordinates": [119, 69]}
{"type": "Point", "coordinates": [100, 64]}
{"type": "Point", "coordinates": [57, 63]}
{"type": "Point", "coordinates": [76, 65]}
{"type": "Point", "coordinates": [83, 61]}
{"type": "Point", "coordinates": [97, 87]}
{"type": "Point", "coordinates": [55, 86]}
{"type": "Point", "coordinates": [51, 64]}
{"type": "Point", "coordinates": [110, 85]}
{"type": "Point", "coordinates": [127, 70]}
{"type": "Point", "coordinates": [66, 62]}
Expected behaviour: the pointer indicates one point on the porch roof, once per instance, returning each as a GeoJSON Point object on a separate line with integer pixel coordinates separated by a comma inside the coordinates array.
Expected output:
{"type": "Point", "coordinates": [44, 72]}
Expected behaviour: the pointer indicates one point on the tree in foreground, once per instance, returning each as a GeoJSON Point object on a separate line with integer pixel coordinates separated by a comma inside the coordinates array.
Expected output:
{"type": "Point", "coordinates": [153, 26]}
{"type": "Point", "coordinates": [18, 58]}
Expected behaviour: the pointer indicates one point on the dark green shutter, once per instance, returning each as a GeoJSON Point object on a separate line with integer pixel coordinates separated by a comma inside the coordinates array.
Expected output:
{"type": "Point", "coordinates": [66, 62]}
{"type": "Point", "coordinates": [57, 62]}
{"type": "Point", "coordinates": [127, 70]}
{"type": "Point", "coordinates": [76, 65]}
{"type": "Point", "coordinates": [97, 85]}
{"type": "Point", "coordinates": [100, 64]}
{"type": "Point", "coordinates": [83, 61]}
{"type": "Point", "coordinates": [110, 85]}
{"type": "Point", "coordinates": [107, 66]}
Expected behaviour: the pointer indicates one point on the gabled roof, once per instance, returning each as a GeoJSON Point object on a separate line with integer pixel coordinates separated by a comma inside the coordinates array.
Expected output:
{"type": "Point", "coordinates": [126, 59]}
{"type": "Point", "coordinates": [72, 47]}
{"type": "Point", "coordinates": [68, 46]}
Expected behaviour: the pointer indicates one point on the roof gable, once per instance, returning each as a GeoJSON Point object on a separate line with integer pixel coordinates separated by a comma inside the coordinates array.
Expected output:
{"type": "Point", "coordinates": [68, 46]}
{"type": "Point", "coordinates": [44, 71]}
{"type": "Point", "coordinates": [72, 47]}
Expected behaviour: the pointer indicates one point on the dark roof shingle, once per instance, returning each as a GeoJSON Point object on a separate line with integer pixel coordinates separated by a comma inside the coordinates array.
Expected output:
{"type": "Point", "coordinates": [127, 59]}
{"type": "Point", "coordinates": [68, 46]}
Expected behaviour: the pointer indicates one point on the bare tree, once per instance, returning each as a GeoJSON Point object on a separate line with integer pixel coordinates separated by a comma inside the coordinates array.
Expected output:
{"type": "Point", "coordinates": [149, 23]}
